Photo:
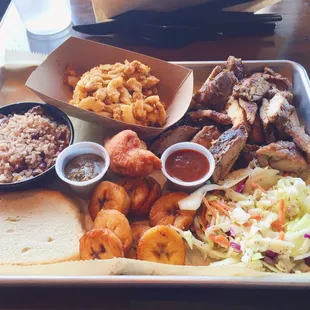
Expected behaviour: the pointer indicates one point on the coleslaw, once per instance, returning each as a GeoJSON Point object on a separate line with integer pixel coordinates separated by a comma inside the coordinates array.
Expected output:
{"type": "Point", "coordinates": [263, 223]}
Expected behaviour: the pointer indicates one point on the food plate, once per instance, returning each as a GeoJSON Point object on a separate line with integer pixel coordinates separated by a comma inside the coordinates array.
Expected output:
{"type": "Point", "coordinates": [298, 75]}
{"type": "Point", "coordinates": [57, 115]}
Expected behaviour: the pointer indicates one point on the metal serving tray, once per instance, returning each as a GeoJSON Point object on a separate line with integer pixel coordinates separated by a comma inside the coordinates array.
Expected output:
{"type": "Point", "coordinates": [298, 75]}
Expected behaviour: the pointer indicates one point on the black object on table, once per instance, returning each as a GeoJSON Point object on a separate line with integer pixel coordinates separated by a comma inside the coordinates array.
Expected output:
{"type": "Point", "coordinates": [180, 27]}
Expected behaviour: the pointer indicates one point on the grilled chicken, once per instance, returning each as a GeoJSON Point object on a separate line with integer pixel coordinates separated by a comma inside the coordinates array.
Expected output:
{"type": "Point", "coordinates": [269, 129]}
{"type": "Point", "coordinates": [279, 110]}
{"type": "Point", "coordinates": [206, 136]}
{"type": "Point", "coordinates": [289, 96]}
{"type": "Point", "coordinates": [250, 109]}
{"type": "Point", "coordinates": [280, 113]}
{"type": "Point", "coordinates": [226, 151]}
{"type": "Point", "coordinates": [237, 114]}
{"type": "Point", "coordinates": [247, 154]}
{"type": "Point", "coordinates": [282, 155]}
{"type": "Point", "coordinates": [172, 136]}
{"type": "Point", "coordinates": [280, 82]}
{"type": "Point", "coordinates": [236, 66]}
{"type": "Point", "coordinates": [215, 92]}
{"type": "Point", "coordinates": [256, 135]}
{"type": "Point", "coordinates": [220, 118]}
{"type": "Point", "coordinates": [251, 89]}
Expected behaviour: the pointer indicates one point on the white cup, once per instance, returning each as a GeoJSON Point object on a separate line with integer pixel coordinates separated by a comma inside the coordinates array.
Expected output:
{"type": "Point", "coordinates": [83, 189]}
{"type": "Point", "coordinates": [188, 186]}
{"type": "Point", "coordinates": [44, 17]}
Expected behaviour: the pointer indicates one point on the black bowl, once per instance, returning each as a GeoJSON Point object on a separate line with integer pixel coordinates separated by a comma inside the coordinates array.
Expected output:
{"type": "Point", "coordinates": [59, 117]}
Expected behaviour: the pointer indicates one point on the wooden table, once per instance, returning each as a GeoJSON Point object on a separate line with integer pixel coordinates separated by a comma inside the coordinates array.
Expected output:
{"type": "Point", "coordinates": [290, 41]}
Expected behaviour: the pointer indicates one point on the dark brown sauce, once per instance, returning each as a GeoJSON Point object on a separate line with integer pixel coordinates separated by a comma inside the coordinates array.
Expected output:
{"type": "Point", "coordinates": [187, 165]}
{"type": "Point", "coordinates": [84, 167]}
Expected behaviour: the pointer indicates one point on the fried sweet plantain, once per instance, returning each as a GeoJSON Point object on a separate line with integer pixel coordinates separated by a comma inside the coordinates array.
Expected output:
{"type": "Point", "coordinates": [116, 222]}
{"type": "Point", "coordinates": [108, 195]}
{"type": "Point", "coordinates": [143, 192]}
{"type": "Point", "coordinates": [100, 244]}
{"type": "Point", "coordinates": [165, 211]}
{"type": "Point", "coordinates": [162, 244]}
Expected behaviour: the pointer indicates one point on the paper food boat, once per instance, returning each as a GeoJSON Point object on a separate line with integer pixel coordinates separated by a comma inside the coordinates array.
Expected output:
{"type": "Point", "coordinates": [175, 87]}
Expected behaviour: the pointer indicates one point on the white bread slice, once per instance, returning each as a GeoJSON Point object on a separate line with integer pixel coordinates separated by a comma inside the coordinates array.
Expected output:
{"type": "Point", "coordinates": [39, 227]}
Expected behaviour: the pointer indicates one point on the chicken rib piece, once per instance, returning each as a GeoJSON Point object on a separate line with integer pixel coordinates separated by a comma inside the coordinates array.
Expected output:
{"type": "Point", "coordinates": [226, 151]}
{"type": "Point", "coordinates": [247, 154]}
{"type": "Point", "coordinates": [250, 109]}
{"type": "Point", "coordinates": [280, 112]}
{"type": "Point", "coordinates": [256, 135]}
{"type": "Point", "coordinates": [237, 114]}
{"type": "Point", "coordinates": [172, 136]}
{"type": "Point", "coordinates": [215, 92]}
{"type": "Point", "coordinates": [280, 82]}
{"type": "Point", "coordinates": [129, 155]}
{"type": "Point", "coordinates": [206, 136]}
{"type": "Point", "coordinates": [269, 128]}
{"type": "Point", "coordinates": [220, 118]}
{"type": "Point", "coordinates": [282, 155]}
{"type": "Point", "coordinates": [236, 66]}
{"type": "Point", "coordinates": [251, 89]}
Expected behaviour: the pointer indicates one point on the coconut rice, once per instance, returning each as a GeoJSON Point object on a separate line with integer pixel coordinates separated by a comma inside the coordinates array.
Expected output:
{"type": "Point", "coordinates": [29, 144]}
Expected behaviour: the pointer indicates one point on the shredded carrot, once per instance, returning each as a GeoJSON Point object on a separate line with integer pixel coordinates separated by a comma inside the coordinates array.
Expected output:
{"type": "Point", "coordinates": [222, 240]}
{"type": "Point", "coordinates": [221, 209]}
{"type": "Point", "coordinates": [275, 224]}
{"type": "Point", "coordinates": [224, 205]}
{"type": "Point", "coordinates": [256, 217]}
{"type": "Point", "coordinates": [247, 224]}
{"type": "Point", "coordinates": [281, 235]}
{"type": "Point", "coordinates": [281, 215]}
{"type": "Point", "coordinates": [256, 186]}
{"type": "Point", "coordinates": [206, 202]}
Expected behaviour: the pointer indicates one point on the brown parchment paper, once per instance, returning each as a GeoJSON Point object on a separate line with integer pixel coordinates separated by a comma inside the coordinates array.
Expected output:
{"type": "Point", "coordinates": [175, 87]}
{"type": "Point", "coordinates": [16, 73]}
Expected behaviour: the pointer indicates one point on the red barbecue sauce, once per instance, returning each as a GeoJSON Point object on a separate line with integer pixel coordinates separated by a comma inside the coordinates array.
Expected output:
{"type": "Point", "coordinates": [187, 165]}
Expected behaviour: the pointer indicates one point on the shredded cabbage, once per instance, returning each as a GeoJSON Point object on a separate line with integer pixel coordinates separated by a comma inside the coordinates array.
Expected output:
{"type": "Point", "coordinates": [255, 220]}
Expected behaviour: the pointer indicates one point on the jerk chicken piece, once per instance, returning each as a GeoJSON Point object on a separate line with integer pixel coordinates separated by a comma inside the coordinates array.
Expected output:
{"type": "Point", "coordinates": [206, 136]}
{"type": "Point", "coordinates": [216, 90]}
{"type": "Point", "coordinates": [250, 109]}
{"type": "Point", "coordinates": [172, 136]}
{"type": "Point", "coordinates": [220, 118]}
{"type": "Point", "coordinates": [236, 66]}
{"type": "Point", "coordinates": [282, 155]}
{"type": "Point", "coordinates": [247, 154]}
{"type": "Point", "coordinates": [289, 96]}
{"type": "Point", "coordinates": [279, 84]}
{"type": "Point", "coordinates": [226, 151]}
{"type": "Point", "coordinates": [256, 135]}
{"type": "Point", "coordinates": [280, 112]}
{"type": "Point", "coordinates": [251, 89]}
{"type": "Point", "coordinates": [237, 114]}
{"type": "Point", "coordinates": [269, 128]}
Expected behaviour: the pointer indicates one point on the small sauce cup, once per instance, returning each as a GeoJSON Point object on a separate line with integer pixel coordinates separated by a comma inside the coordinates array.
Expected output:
{"type": "Point", "coordinates": [177, 184]}
{"type": "Point", "coordinates": [84, 188]}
